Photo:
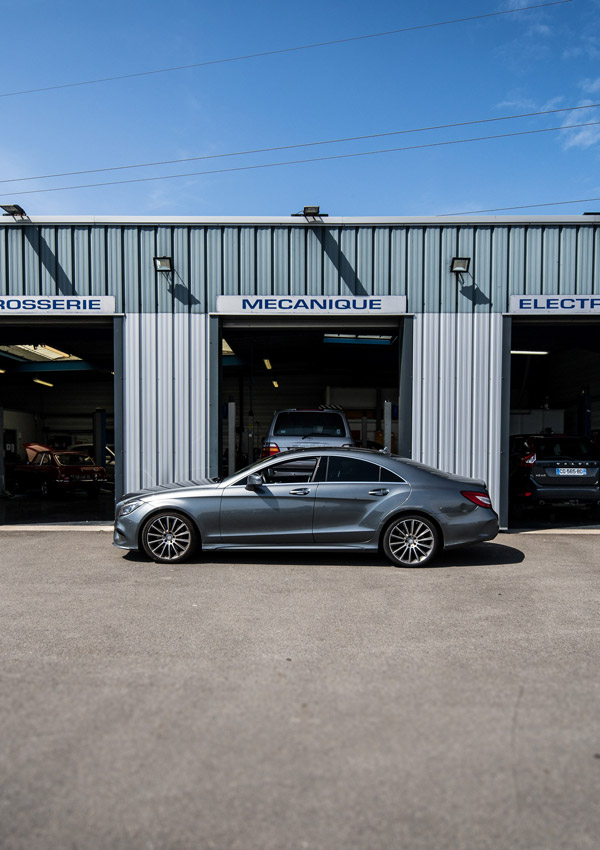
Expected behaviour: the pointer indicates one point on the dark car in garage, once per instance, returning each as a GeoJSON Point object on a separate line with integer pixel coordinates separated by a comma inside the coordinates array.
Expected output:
{"type": "Point", "coordinates": [554, 469]}
{"type": "Point", "coordinates": [51, 472]}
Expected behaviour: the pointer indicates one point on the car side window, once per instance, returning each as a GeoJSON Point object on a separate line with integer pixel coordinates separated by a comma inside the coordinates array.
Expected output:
{"type": "Point", "coordinates": [388, 475]}
{"type": "Point", "coordinates": [45, 460]}
{"type": "Point", "coordinates": [351, 469]}
{"type": "Point", "coordinates": [291, 471]}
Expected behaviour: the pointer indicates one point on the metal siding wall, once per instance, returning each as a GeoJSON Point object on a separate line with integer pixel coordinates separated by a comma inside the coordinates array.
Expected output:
{"type": "Point", "coordinates": [166, 387]}
{"type": "Point", "coordinates": [457, 394]}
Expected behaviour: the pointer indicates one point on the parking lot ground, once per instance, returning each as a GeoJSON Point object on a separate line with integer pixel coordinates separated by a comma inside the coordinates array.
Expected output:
{"type": "Point", "coordinates": [275, 702]}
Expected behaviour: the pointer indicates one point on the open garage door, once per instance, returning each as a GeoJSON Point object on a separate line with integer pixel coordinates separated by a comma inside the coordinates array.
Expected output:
{"type": "Point", "coordinates": [57, 394]}
{"type": "Point", "coordinates": [554, 446]}
{"type": "Point", "coordinates": [268, 366]}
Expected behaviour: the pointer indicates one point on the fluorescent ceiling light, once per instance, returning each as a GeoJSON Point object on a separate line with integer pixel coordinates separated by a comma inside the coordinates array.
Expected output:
{"type": "Point", "coordinates": [530, 352]}
{"type": "Point", "coordinates": [276, 385]}
{"type": "Point", "coordinates": [2, 371]}
{"type": "Point", "coordinates": [267, 364]}
{"type": "Point", "coordinates": [359, 339]}
{"type": "Point", "coordinates": [44, 383]}
{"type": "Point", "coordinates": [40, 352]}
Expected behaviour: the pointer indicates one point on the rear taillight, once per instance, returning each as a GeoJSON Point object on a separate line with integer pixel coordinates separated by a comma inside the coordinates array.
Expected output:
{"type": "Point", "coordinates": [528, 460]}
{"type": "Point", "coordinates": [269, 449]}
{"type": "Point", "coordinates": [480, 498]}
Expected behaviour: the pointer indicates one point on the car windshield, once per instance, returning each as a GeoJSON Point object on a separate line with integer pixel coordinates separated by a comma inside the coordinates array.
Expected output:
{"type": "Point", "coordinates": [298, 423]}
{"type": "Point", "coordinates": [73, 459]}
{"type": "Point", "coordinates": [566, 448]}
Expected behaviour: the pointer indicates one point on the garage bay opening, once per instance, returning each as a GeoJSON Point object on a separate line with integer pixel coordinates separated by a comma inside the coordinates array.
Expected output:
{"type": "Point", "coordinates": [58, 420]}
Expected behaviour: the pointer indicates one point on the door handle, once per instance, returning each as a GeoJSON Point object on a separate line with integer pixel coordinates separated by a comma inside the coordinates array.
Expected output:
{"type": "Point", "coordinates": [378, 492]}
{"type": "Point", "coordinates": [300, 491]}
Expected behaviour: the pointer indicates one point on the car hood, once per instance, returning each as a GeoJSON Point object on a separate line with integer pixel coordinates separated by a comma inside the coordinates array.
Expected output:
{"type": "Point", "coordinates": [173, 485]}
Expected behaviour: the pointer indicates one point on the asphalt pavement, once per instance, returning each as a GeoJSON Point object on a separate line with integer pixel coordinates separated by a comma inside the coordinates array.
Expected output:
{"type": "Point", "coordinates": [283, 702]}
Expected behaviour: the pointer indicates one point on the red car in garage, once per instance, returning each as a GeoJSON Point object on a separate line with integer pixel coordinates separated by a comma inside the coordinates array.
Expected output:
{"type": "Point", "coordinates": [50, 472]}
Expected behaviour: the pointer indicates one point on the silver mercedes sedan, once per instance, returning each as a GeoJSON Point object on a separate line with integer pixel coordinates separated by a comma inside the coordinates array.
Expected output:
{"type": "Point", "coordinates": [341, 499]}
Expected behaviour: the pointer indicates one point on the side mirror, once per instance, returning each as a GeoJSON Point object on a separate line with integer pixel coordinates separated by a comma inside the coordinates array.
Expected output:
{"type": "Point", "coordinates": [255, 480]}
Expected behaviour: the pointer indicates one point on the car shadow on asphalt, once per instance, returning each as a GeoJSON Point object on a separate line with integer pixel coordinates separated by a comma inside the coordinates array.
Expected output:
{"type": "Point", "coordinates": [478, 555]}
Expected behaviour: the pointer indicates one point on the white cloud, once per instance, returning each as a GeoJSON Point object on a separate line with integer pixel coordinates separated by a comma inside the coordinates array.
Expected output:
{"type": "Point", "coordinates": [582, 137]}
{"type": "Point", "coordinates": [590, 86]}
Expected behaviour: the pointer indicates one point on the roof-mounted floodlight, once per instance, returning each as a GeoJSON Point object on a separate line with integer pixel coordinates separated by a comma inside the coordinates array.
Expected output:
{"type": "Point", "coordinates": [163, 264]}
{"type": "Point", "coordinates": [15, 210]}
{"type": "Point", "coordinates": [460, 265]}
{"type": "Point", "coordinates": [311, 212]}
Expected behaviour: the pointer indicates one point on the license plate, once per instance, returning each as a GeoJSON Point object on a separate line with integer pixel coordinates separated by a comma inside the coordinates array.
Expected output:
{"type": "Point", "coordinates": [570, 471]}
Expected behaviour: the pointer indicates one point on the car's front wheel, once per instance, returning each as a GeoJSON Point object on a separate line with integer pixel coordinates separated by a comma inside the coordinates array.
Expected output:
{"type": "Point", "coordinates": [169, 537]}
{"type": "Point", "coordinates": [411, 541]}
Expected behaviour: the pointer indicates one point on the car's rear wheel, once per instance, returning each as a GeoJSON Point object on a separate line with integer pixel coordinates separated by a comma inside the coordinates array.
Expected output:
{"type": "Point", "coordinates": [169, 537]}
{"type": "Point", "coordinates": [411, 541]}
{"type": "Point", "coordinates": [45, 489]}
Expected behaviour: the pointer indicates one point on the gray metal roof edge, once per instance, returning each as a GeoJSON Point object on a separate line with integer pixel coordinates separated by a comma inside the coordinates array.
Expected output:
{"type": "Point", "coordinates": [301, 221]}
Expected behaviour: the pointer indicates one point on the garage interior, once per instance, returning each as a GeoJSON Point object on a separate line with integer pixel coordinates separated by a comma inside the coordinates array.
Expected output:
{"type": "Point", "coordinates": [555, 387]}
{"type": "Point", "coordinates": [56, 381]}
{"type": "Point", "coordinates": [267, 367]}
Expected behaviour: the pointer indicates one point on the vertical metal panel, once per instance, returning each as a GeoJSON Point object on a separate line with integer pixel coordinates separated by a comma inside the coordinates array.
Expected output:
{"type": "Point", "coordinates": [347, 278]}
{"type": "Point", "coordinates": [331, 260]}
{"type": "Point", "coordinates": [448, 281]}
{"type": "Point", "coordinates": [414, 269]}
{"type": "Point", "coordinates": [297, 261]}
{"type": "Point", "coordinates": [550, 260]}
{"type": "Point", "coordinates": [364, 261]}
{"type": "Point", "coordinates": [482, 268]}
{"type": "Point", "coordinates": [214, 264]}
{"type": "Point", "coordinates": [114, 263]}
{"type": "Point", "coordinates": [233, 256]}
{"type": "Point", "coordinates": [48, 261]}
{"type": "Point", "coordinates": [568, 260]}
{"type": "Point", "coordinates": [314, 263]}
{"type": "Point", "coordinates": [457, 394]}
{"type": "Point", "coordinates": [166, 381]}
{"type": "Point", "coordinates": [247, 261]}
{"type": "Point", "coordinates": [31, 260]}
{"type": "Point", "coordinates": [141, 298]}
{"type": "Point", "coordinates": [64, 260]}
{"type": "Point", "coordinates": [585, 261]}
{"type": "Point", "coordinates": [199, 390]}
{"type": "Point", "coordinates": [160, 286]}
{"type": "Point", "coordinates": [398, 282]}
{"type": "Point", "coordinates": [516, 259]}
{"type": "Point", "coordinates": [182, 297]}
{"type": "Point", "coordinates": [15, 261]}
{"type": "Point", "coordinates": [97, 266]}
{"type": "Point", "coordinates": [131, 402]}
{"type": "Point", "coordinates": [148, 434]}
{"type": "Point", "coordinates": [281, 265]}
{"type": "Point", "coordinates": [381, 261]}
{"type": "Point", "coordinates": [81, 260]}
{"type": "Point", "coordinates": [466, 248]}
{"type": "Point", "coordinates": [197, 271]}
{"type": "Point", "coordinates": [181, 397]}
{"type": "Point", "coordinates": [264, 261]}
{"type": "Point", "coordinates": [533, 260]}
{"type": "Point", "coordinates": [431, 270]}
{"type": "Point", "coordinates": [499, 271]}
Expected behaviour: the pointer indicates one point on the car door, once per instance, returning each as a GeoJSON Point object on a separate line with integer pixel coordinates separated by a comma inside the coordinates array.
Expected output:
{"type": "Point", "coordinates": [279, 511]}
{"type": "Point", "coordinates": [353, 498]}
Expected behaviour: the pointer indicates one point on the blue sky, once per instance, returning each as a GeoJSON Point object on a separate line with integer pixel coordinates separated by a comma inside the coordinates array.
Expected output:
{"type": "Point", "coordinates": [545, 58]}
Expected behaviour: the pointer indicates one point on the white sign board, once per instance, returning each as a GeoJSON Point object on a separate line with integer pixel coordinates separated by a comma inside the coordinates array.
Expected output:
{"type": "Point", "coordinates": [536, 305]}
{"type": "Point", "coordinates": [311, 305]}
{"type": "Point", "coordinates": [57, 305]}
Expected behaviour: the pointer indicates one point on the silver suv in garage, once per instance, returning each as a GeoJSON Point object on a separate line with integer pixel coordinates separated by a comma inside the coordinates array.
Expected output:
{"type": "Point", "coordinates": [306, 428]}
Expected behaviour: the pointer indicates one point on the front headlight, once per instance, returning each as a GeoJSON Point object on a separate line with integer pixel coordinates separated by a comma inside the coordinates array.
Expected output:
{"type": "Point", "coordinates": [129, 508]}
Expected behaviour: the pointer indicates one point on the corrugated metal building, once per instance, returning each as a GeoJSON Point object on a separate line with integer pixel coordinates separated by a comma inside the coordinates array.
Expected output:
{"type": "Point", "coordinates": [454, 386]}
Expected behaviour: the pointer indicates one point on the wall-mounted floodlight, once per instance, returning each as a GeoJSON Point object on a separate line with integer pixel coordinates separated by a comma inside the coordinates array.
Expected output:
{"type": "Point", "coordinates": [163, 264]}
{"type": "Point", "coordinates": [460, 265]}
{"type": "Point", "coordinates": [14, 209]}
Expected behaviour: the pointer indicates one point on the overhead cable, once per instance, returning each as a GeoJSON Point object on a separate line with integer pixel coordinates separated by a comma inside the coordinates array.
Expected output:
{"type": "Point", "coordinates": [285, 49]}
{"type": "Point", "coordinates": [300, 145]}
{"type": "Point", "coordinates": [312, 159]}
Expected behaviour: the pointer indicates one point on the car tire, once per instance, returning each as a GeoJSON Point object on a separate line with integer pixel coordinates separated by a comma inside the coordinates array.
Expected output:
{"type": "Point", "coordinates": [169, 537]}
{"type": "Point", "coordinates": [45, 489]}
{"type": "Point", "coordinates": [411, 540]}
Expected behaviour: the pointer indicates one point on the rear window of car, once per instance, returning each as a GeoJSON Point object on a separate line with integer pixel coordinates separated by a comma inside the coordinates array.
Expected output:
{"type": "Point", "coordinates": [72, 459]}
{"type": "Point", "coordinates": [302, 423]}
{"type": "Point", "coordinates": [566, 448]}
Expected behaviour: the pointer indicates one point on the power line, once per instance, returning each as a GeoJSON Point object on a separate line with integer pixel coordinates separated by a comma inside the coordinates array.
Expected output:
{"type": "Point", "coordinates": [303, 161]}
{"type": "Point", "coordinates": [301, 145]}
{"type": "Point", "coordinates": [523, 207]}
{"type": "Point", "coordinates": [285, 49]}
